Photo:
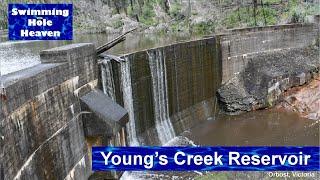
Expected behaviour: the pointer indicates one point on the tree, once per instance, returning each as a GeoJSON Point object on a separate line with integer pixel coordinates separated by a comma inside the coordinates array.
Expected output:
{"type": "Point", "coordinates": [116, 5]}
{"type": "Point", "coordinates": [131, 4]}
{"type": "Point", "coordinates": [264, 15]}
{"type": "Point", "coordinates": [166, 6]}
{"type": "Point", "coordinates": [255, 12]}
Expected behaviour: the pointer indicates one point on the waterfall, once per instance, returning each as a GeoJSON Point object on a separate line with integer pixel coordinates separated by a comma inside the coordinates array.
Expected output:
{"type": "Point", "coordinates": [108, 85]}
{"type": "Point", "coordinates": [163, 123]}
{"type": "Point", "coordinates": [107, 79]}
{"type": "Point", "coordinates": [128, 101]}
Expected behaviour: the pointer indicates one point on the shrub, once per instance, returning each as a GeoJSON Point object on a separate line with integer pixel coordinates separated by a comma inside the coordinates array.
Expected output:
{"type": "Point", "coordinates": [117, 24]}
{"type": "Point", "coordinates": [204, 27]}
{"type": "Point", "coordinates": [175, 11]}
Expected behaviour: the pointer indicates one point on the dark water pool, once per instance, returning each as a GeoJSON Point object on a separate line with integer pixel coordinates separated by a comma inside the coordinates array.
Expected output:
{"type": "Point", "coordinates": [258, 128]}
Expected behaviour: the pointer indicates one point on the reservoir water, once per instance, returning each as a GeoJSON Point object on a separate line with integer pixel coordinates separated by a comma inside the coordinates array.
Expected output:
{"type": "Point", "coordinates": [258, 128]}
{"type": "Point", "coordinates": [17, 55]}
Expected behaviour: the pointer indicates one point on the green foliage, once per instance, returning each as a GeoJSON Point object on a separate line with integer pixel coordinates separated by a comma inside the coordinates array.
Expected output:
{"type": "Point", "coordinates": [148, 15]}
{"type": "Point", "coordinates": [175, 11]}
{"type": "Point", "coordinates": [133, 11]}
{"type": "Point", "coordinates": [117, 24]}
{"type": "Point", "coordinates": [177, 27]}
{"type": "Point", "coordinates": [271, 1]}
{"type": "Point", "coordinates": [267, 16]}
{"type": "Point", "coordinates": [3, 15]}
{"type": "Point", "coordinates": [210, 176]}
{"type": "Point", "coordinates": [245, 17]}
{"type": "Point", "coordinates": [294, 12]}
{"type": "Point", "coordinates": [114, 11]}
{"type": "Point", "coordinates": [288, 11]}
{"type": "Point", "coordinates": [204, 27]}
{"type": "Point", "coordinates": [297, 13]}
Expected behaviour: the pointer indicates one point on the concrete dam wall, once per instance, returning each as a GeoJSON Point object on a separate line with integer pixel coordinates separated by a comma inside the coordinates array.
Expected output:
{"type": "Point", "coordinates": [259, 64]}
{"type": "Point", "coordinates": [169, 89]}
{"type": "Point", "coordinates": [165, 89]}
{"type": "Point", "coordinates": [51, 114]}
{"type": "Point", "coordinates": [43, 128]}
{"type": "Point", "coordinates": [238, 45]}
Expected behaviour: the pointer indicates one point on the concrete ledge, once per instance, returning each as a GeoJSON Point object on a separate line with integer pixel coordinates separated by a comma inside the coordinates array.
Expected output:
{"type": "Point", "coordinates": [67, 53]}
{"type": "Point", "coordinates": [238, 43]}
{"type": "Point", "coordinates": [111, 117]}
{"type": "Point", "coordinates": [21, 86]}
{"type": "Point", "coordinates": [12, 78]}
{"type": "Point", "coordinates": [266, 28]}
{"type": "Point", "coordinates": [40, 110]}
{"type": "Point", "coordinates": [77, 60]}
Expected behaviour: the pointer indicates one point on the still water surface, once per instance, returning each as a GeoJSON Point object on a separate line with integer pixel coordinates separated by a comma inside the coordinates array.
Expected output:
{"type": "Point", "coordinates": [18, 55]}
{"type": "Point", "coordinates": [258, 128]}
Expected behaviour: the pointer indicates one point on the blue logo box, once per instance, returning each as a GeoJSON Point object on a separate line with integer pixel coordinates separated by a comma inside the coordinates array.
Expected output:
{"type": "Point", "coordinates": [40, 21]}
{"type": "Point", "coordinates": [206, 158]}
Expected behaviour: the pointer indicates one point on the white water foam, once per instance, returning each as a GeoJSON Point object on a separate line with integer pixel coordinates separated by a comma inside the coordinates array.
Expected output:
{"type": "Point", "coordinates": [128, 101]}
{"type": "Point", "coordinates": [157, 63]}
{"type": "Point", "coordinates": [139, 175]}
{"type": "Point", "coordinates": [107, 79]}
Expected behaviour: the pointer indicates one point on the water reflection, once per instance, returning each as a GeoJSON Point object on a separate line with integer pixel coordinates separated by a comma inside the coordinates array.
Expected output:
{"type": "Point", "coordinates": [265, 127]}
{"type": "Point", "coordinates": [17, 55]}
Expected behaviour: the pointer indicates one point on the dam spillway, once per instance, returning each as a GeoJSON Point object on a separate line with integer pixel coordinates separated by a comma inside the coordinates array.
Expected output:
{"type": "Point", "coordinates": [184, 77]}
{"type": "Point", "coordinates": [48, 124]}
{"type": "Point", "coordinates": [165, 88]}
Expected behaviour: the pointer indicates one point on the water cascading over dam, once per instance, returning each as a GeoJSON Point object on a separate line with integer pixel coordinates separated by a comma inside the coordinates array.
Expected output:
{"type": "Point", "coordinates": [169, 89]}
{"type": "Point", "coordinates": [158, 70]}
{"type": "Point", "coordinates": [165, 90]}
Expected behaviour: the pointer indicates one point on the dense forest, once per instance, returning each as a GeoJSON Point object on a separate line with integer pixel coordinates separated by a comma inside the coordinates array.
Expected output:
{"type": "Point", "coordinates": [178, 16]}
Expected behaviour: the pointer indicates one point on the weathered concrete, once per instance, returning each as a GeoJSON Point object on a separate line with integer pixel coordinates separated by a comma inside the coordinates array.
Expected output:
{"type": "Point", "coordinates": [238, 44]}
{"type": "Point", "coordinates": [67, 53]}
{"type": "Point", "coordinates": [182, 78]}
{"type": "Point", "coordinates": [106, 114]}
{"type": "Point", "coordinates": [42, 133]}
{"type": "Point", "coordinates": [174, 84]}
{"type": "Point", "coordinates": [266, 76]}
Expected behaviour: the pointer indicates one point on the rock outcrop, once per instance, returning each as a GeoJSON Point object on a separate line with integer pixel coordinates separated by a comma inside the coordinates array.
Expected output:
{"type": "Point", "coordinates": [265, 78]}
{"type": "Point", "coordinates": [304, 100]}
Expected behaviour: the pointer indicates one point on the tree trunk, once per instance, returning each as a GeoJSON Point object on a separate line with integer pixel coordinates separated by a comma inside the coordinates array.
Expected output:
{"type": "Point", "coordinates": [238, 10]}
{"type": "Point", "coordinates": [116, 5]}
{"type": "Point", "coordinates": [131, 3]}
{"type": "Point", "coordinates": [166, 6]}
{"type": "Point", "coordinates": [255, 12]}
{"type": "Point", "coordinates": [264, 15]}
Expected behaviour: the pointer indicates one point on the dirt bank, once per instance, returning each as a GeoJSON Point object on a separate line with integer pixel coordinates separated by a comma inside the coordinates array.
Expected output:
{"type": "Point", "coordinates": [303, 99]}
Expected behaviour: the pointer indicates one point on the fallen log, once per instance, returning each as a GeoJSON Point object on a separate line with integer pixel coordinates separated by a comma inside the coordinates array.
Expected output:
{"type": "Point", "coordinates": [111, 57]}
{"type": "Point", "coordinates": [114, 42]}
